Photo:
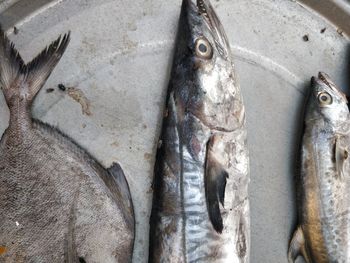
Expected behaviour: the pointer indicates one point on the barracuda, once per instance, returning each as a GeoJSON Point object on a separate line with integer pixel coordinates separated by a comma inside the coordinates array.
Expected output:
{"type": "Point", "coordinates": [200, 208]}
{"type": "Point", "coordinates": [323, 234]}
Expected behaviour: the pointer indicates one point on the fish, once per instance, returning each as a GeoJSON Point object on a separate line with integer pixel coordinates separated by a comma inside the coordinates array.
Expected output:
{"type": "Point", "coordinates": [57, 202]}
{"type": "Point", "coordinates": [323, 231]}
{"type": "Point", "coordinates": [200, 209]}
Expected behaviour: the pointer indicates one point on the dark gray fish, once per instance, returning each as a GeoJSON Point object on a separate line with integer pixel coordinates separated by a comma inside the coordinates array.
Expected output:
{"type": "Point", "coordinates": [323, 233]}
{"type": "Point", "coordinates": [200, 208]}
{"type": "Point", "coordinates": [57, 203]}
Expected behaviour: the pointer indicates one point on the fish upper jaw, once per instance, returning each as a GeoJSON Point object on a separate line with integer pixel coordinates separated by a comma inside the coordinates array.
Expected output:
{"type": "Point", "coordinates": [325, 79]}
{"type": "Point", "coordinates": [204, 12]}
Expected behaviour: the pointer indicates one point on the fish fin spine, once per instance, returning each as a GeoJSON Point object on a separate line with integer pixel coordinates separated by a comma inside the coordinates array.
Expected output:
{"type": "Point", "coordinates": [297, 246]}
{"type": "Point", "coordinates": [215, 185]}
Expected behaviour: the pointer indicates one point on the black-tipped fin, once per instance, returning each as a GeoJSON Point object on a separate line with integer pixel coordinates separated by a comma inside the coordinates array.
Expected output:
{"type": "Point", "coordinates": [297, 247]}
{"type": "Point", "coordinates": [11, 63]}
{"type": "Point", "coordinates": [40, 68]}
{"type": "Point", "coordinates": [215, 185]}
{"type": "Point", "coordinates": [18, 78]}
{"type": "Point", "coordinates": [118, 184]}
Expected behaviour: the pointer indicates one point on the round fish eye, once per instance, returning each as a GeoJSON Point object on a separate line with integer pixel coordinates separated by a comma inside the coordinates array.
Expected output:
{"type": "Point", "coordinates": [324, 98]}
{"type": "Point", "coordinates": [203, 48]}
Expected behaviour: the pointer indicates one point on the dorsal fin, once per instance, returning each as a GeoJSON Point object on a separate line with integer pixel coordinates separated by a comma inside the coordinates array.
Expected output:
{"type": "Point", "coordinates": [215, 185]}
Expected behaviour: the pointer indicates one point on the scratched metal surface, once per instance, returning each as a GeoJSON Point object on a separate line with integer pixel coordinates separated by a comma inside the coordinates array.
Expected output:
{"type": "Point", "coordinates": [120, 56]}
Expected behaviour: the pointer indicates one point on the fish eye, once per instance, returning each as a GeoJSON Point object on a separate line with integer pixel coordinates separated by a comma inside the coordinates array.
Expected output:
{"type": "Point", "coordinates": [325, 98]}
{"type": "Point", "coordinates": [203, 48]}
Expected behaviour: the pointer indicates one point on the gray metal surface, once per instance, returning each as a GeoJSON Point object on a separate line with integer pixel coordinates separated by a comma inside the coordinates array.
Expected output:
{"type": "Point", "coordinates": [120, 56]}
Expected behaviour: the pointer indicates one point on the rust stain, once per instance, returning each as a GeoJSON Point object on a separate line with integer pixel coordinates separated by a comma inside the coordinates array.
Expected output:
{"type": "Point", "coordinates": [2, 250]}
{"type": "Point", "coordinates": [340, 32]}
{"type": "Point", "coordinates": [166, 113]}
{"type": "Point", "coordinates": [77, 95]}
{"type": "Point", "coordinates": [115, 144]}
{"type": "Point", "coordinates": [147, 156]}
{"type": "Point", "coordinates": [150, 191]}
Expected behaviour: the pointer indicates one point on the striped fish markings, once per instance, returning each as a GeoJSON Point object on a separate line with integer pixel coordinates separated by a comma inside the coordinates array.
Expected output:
{"type": "Point", "coordinates": [200, 208]}
{"type": "Point", "coordinates": [323, 233]}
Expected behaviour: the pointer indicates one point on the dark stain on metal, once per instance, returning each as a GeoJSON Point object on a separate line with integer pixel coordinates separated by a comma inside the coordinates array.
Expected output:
{"type": "Point", "coordinates": [148, 156]}
{"type": "Point", "coordinates": [50, 90]}
{"type": "Point", "coordinates": [340, 32]}
{"type": "Point", "coordinates": [323, 30]}
{"type": "Point", "coordinates": [15, 30]}
{"type": "Point", "coordinates": [62, 87]}
{"type": "Point", "coordinates": [306, 38]}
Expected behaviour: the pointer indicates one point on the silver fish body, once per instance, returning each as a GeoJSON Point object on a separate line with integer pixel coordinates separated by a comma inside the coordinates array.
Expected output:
{"type": "Point", "coordinates": [57, 203]}
{"type": "Point", "coordinates": [200, 208]}
{"type": "Point", "coordinates": [323, 234]}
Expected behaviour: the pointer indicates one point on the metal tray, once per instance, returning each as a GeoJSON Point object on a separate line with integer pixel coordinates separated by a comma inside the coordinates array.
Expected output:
{"type": "Point", "coordinates": [120, 56]}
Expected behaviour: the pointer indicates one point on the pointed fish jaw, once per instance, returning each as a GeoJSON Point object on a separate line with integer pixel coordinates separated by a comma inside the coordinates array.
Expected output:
{"type": "Point", "coordinates": [206, 9]}
{"type": "Point", "coordinates": [202, 19]}
{"type": "Point", "coordinates": [325, 79]}
{"type": "Point", "coordinates": [213, 88]}
{"type": "Point", "coordinates": [335, 113]}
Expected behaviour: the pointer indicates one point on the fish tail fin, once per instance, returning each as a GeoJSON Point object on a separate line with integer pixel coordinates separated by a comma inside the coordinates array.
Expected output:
{"type": "Point", "coordinates": [11, 65]}
{"type": "Point", "coordinates": [23, 81]}
{"type": "Point", "coordinates": [297, 246]}
{"type": "Point", "coordinates": [41, 67]}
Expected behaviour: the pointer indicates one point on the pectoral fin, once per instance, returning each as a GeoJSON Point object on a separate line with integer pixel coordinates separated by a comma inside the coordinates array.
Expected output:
{"type": "Point", "coordinates": [118, 185]}
{"type": "Point", "coordinates": [341, 155]}
{"type": "Point", "coordinates": [215, 184]}
{"type": "Point", "coordinates": [297, 247]}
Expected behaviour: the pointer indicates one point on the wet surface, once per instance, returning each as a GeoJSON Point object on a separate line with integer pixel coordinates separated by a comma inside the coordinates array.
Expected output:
{"type": "Point", "coordinates": [120, 57]}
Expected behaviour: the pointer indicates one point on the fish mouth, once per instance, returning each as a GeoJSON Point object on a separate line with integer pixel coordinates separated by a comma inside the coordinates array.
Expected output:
{"type": "Point", "coordinates": [206, 10]}
{"type": "Point", "coordinates": [325, 79]}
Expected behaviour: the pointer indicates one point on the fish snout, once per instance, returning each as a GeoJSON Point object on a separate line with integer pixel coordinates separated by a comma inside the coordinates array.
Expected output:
{"type": "Point", "coordinates": [323, 80]}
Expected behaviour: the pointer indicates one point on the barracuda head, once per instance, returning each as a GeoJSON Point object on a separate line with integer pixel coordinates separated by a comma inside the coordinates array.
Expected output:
{"type": "Point", "coordinates": [203, 71]}
{"type": "Point", "coordinates": [327, 102]}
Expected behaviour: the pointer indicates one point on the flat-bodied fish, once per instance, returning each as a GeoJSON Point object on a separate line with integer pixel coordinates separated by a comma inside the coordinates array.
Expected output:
{"type": "Point", "coordinates": [323, 233]}
{"type": "Point", "coordinates": [200, 208]}
{"type": "Point", "coordinates": [57, 203]}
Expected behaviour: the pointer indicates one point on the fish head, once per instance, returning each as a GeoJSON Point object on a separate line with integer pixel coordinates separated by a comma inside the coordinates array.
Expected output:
{"type": "Point", "coordinates": [327, 102]}
{"type": "Point", "coordinates": [204, 65]}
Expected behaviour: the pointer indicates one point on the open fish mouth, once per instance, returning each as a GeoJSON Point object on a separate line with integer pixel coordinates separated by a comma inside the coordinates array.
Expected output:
{"type": "Point", "coordinates": [325, 79]}
{"type": "Point", "coordinates": [207, 11]}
